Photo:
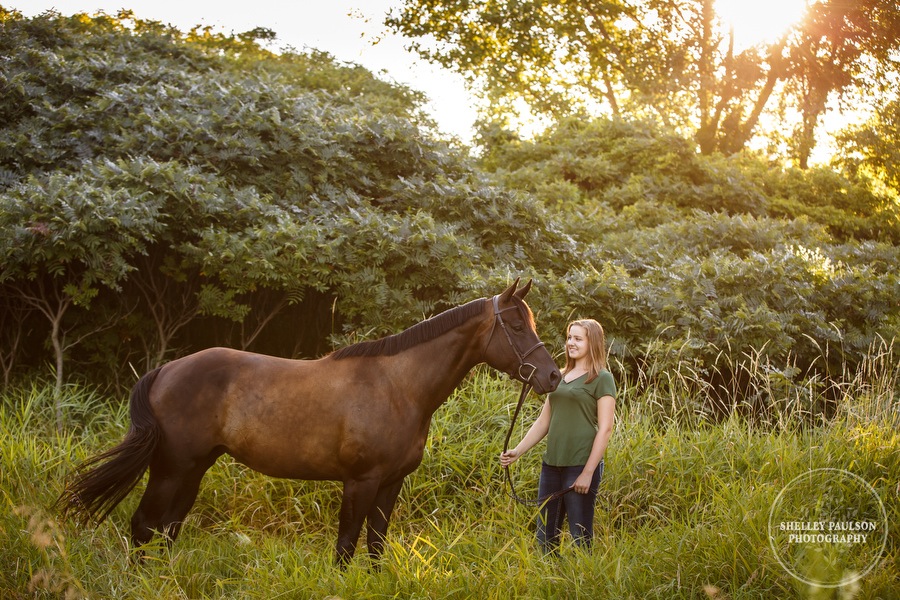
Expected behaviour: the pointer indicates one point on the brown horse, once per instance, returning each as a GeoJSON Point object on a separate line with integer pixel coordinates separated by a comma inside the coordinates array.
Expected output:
{"type": "Point", "coordinates": [359, 415]}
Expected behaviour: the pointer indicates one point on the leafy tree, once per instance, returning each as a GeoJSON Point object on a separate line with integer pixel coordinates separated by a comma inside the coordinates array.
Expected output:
{"type": "Point", "coordinates": [670, 59]}
{"type": "Point", "coordinates": [288, 201]}
{"type": "Point", "coordinates": [840, 47]}
{"type": "Point", "coordinates": [586, 165]}
{"type": "Point", "coordinates": [64, 240]}
{"type": "Point", "coordinates": [162, 192]}
{"type": "Point", "coordinates": [873, 148]}
{"type": "Point", "coordinates": [590, 168]}
{"type": "Point", "coordinates": [706, 263]}
{"type": "Point", "coordinates": [849, 206]}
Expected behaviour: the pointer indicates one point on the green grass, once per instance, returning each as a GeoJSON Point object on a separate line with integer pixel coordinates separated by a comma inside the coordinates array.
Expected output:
{"type": "Point", "coordinates": [683, 510]}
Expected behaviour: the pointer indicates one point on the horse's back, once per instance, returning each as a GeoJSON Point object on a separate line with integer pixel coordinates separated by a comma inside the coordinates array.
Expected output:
{"type": "Point", "coordinates": [206, 380]}
{"type": "Point", "coordinates": [283, 417]}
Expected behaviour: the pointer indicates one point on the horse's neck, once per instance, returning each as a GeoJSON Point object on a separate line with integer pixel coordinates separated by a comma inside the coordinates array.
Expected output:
{"type": "Point", "coordinates": [433, 369]}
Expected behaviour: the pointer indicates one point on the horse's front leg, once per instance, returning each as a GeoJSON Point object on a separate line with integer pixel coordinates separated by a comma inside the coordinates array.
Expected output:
{"type": "Point", "coordinates": [359, 496]}
{"type": "Point", "coordinates": [380, 516]}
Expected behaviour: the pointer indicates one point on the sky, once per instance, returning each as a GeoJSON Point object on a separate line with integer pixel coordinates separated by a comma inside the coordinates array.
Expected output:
{"type": "Point", "coordinates": [350, 30]}
{"type": "Point", "coordinates": [759, 20]}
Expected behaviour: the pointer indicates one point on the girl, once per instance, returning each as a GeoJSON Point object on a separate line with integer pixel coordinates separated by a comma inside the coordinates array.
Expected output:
{"type": "Point", "coordinates": [577, 420]}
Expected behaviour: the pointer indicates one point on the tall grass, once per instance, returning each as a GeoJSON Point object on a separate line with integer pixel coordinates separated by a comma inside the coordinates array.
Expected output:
{"type": "Point", "coordinates": [691, 392]}
{"type": "Point", "coordinates": [682, 512]}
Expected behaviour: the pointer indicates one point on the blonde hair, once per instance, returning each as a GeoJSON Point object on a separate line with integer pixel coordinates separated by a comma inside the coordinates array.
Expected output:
{"type": "Point", "coordinates": [596, 342]}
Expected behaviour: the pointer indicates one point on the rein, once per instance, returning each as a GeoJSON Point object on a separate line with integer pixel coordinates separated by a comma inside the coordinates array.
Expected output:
{"type": "Point", "coordinates": [526, 388]}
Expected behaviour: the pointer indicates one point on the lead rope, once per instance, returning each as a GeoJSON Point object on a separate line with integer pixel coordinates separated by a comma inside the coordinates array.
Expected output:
{"type": "Point", "coordinates": [526, 387]}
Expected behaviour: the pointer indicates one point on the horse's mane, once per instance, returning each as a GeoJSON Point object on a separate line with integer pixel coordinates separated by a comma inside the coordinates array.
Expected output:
{"type": "Point", "coordinates": [417, 334]}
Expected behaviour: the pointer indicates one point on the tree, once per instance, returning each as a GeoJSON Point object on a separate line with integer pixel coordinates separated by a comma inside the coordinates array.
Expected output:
{"type": "Point", "coordinates": [873, 148]}
{"type": "Point", "coordinates": [840, 47]}
{"type": "Point", "coordinates": [62, 240]}
{"type": "Point", "coordinates": [14, 312]}
{"type": "Point", "coordinates": [699, 265]}
{"type": "Point", "coordinates": [671, 59]}
{"type": "Point", "coordinates": [289, 202]}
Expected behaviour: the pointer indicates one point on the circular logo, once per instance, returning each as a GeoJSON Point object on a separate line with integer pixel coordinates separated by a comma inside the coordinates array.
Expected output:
{"type": "Point", "coordinates": [828, 528]}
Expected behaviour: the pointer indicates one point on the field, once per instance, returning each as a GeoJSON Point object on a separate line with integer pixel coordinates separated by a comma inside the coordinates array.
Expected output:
{"type": "Point", "coordinates": [683, 512]}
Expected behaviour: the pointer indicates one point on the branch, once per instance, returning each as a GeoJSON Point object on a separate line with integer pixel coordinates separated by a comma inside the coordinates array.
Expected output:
{"type": "Point", "coordinates": [774, 75]}
{"type": "Point", "coordinates": [609, 93]}
{"type": "Point", "coordinates": [109, 324]}
{"type": "Point", "coordinates": [246, 341]}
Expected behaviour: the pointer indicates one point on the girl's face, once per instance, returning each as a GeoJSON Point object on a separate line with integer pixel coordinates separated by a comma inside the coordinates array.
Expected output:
{"type": "Point", "coordinates": [577, 342]}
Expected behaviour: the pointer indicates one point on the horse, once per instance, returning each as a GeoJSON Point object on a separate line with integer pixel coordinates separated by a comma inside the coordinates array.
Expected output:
{"type": "Point", "coordinates": [359, 415]}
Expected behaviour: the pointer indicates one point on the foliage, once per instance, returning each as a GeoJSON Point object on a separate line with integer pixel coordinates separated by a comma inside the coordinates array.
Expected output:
{"type": "Point", "coordinates": [710, 261]}
{"type": "Point", "coordinates": [587, 165]}
{"type": "Point", "coordinates": [850, 207]}
{"type": "Point", "coordinates": [162, 192]}
{"type": "Point", "coordinates": [167, 191]}
{"type": "Point", "coordinates": [751, 286]}
{"type": "Point", "coordinates": [873, 148]}
{"type": "Point", "coordinates": [672, 59]}
{"type": "Point", "coordinates": [683, 507]}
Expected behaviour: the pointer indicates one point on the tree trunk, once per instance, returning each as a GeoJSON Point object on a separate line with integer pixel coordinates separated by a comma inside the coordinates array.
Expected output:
{"type": "Point", "coordinates": [745, 131]}
{"type": "Point", "coordinates": [706, 134]}
{"type": "Point", "coordinates": [58, 350]}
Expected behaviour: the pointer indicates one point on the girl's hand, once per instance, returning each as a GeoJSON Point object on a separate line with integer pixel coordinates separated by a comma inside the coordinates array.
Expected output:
{"type": "Point", "coordinates": [583, 484]}
{"type": "Point", "coordinates": [509, 457]}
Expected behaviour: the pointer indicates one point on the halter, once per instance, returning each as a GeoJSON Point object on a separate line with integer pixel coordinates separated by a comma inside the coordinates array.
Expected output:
{"type": "Point", "coordinates": [498, 318]}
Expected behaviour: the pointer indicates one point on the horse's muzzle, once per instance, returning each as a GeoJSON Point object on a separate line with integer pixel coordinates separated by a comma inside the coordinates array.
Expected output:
{"type": "Point", "coordinates": [545, 383]}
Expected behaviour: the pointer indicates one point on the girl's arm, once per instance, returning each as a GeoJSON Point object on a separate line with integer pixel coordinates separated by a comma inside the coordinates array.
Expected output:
{"type": "Point", "coordinates": [606, 409]}
{"type": "Point", "coordinates": [536, 433]}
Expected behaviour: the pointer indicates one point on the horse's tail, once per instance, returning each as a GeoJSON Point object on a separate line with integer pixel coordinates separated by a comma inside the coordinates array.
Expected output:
{"type": "Point", "coordinates": [101, 482]}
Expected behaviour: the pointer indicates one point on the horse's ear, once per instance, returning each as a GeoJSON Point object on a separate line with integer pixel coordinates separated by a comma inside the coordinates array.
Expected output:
{"type": "Point", "coordinates": [523, 291]}
{"type": "Point", "coordinates": [510, 291]}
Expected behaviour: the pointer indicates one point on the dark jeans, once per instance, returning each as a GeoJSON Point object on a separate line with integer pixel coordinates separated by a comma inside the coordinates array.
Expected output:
{"type": "Point", "coordinates": [579, 508]}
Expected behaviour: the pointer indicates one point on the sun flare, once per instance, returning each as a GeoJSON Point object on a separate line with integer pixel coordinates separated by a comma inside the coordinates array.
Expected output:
{"type": "Point", "coordinates": [760, 20]}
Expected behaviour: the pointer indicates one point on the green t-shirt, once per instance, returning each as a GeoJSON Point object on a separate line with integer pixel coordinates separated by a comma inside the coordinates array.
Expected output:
{"type": "Point", "coordinates": [573, 419]}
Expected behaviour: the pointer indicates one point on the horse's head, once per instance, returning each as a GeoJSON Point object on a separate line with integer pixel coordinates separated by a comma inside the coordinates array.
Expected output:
{"type": "Point", "coordinates": [513, 345]}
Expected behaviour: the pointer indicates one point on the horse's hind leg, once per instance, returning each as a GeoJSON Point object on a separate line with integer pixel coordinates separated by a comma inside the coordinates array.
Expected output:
{"type": "Point", "coordinates": [166, 502]}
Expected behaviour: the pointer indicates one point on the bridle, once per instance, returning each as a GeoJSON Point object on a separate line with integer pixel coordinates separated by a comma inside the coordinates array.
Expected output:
{"type": "Point", "coordinates": [526, 388]}
{"type": "Point", "coordinates": [498, 318]}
